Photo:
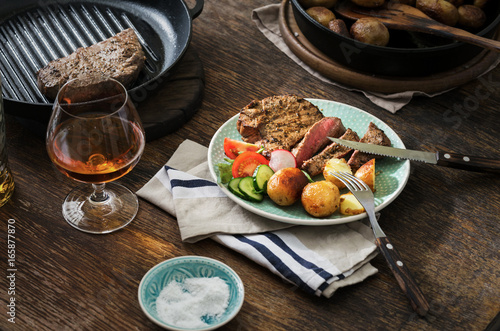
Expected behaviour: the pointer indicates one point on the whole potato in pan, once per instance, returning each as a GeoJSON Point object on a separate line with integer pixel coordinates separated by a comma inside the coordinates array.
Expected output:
{"type": "Point", "coordinates": [406, 2]}
{"type": "Point", "coordinates": [318, 3]}
{"type": "Point", "coordinates": [440, 10]}
{"type": "Point", "coordinates": [371, 31]}
{"type": "Point", "coordinates": [339, 26]}
{"type": "Point", "coordinates": [480, 3]}
{"type": "Point", "coordinates": [368, 3]}
{"type": "Point", "coordinates": [456, 3]}
{"type": "Point", "coordinates": [470, 16]}
{"type": "Point", "coordinates": [322, 15]}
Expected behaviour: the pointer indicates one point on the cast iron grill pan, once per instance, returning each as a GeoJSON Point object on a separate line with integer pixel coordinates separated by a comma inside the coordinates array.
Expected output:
{"type": "Point", "coordinates": [39, 34]}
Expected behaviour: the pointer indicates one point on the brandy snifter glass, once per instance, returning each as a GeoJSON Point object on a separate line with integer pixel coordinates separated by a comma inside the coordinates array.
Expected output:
{"type": "Point", "coordinates": [95, 136]}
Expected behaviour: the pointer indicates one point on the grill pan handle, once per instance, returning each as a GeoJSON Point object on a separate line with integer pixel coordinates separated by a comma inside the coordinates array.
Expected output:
{"type": "Point", "coordinates": [196, 10]}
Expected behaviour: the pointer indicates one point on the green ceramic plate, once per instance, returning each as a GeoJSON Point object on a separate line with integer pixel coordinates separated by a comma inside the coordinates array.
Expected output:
{"type": "Point", "coordinates": [391, 179]}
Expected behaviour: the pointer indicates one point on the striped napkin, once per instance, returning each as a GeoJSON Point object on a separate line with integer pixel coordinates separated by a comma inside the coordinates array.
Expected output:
{"type": "Point", "coordinates": [316, 259]}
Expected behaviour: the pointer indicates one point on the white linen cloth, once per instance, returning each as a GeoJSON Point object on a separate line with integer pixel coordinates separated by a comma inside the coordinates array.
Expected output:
{"type": "Point", "coordinates": [266, 19]}
{"type": "Point", "coordinates": [317, 259]}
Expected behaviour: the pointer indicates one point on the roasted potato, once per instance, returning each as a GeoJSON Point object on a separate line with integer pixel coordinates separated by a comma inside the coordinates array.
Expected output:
{"type": "Point", "coordinates": [320, 199]}
{"type": "Point", "coordinates": [367, 174]}
{"type": "Point", "coordinates": [338, 26]}
{"type": "Point", "coordinates": [334, 165]}
{"type": "Point", "coordinates": [456, 3]}
{"type": "Point", "coordinates": [349, 205]}
{"type": "Point", "coordinates": [406, 2]}
{"type": "Point", "coordinates": [471, 17]}
{"type": "Point", "coordinates": [369, 3]}
{"type": "Point", "coordinates": [440, 10]}
{"type": "Point", "coordinates": [480, 3]}
{"type": "Point", "coordinates": [370, 30]}
{"type": "Point", "coordinates": [285, 186]}
{"type": "Point", "coordinates": [322, 15]}
{"type": "Point", "coordinates": [317, 3]}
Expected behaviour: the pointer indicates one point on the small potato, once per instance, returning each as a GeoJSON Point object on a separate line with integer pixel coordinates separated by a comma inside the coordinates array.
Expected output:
{"type": "Point", "coordinates": [339, 27]}
{"type": "Point", "coordinates": [371, 31]}
{"type": "Point", "coordinates": [336, 165]}
{"type": "Point", "coordinates": [349, 205]}
{"type": "Point", "coordinates": [367, 174]}
{"type": "Point", "coordinates": [456, 3]}
{"type": "Point", "coordinates": [368, 3]}
{"type": "Point", "coordinates": [285, 186]}
{"type": "Point", "coordinates": [406, 2]}
{"type": "Point", "coordinates": [320, 199]}
{"type": "Point", "coordinates": [480, 3]}
{"type": "Point", "coordinates": [470, 16]}
{"type": "Point", "coordinates": [322, 15]}
{"type": "Point", "coordinates": [440, 10]}
{"type": "Point", "coordinates": [317, 3]}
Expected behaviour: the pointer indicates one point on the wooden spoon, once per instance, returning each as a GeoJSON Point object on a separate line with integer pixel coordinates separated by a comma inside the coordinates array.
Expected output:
{"type": "Point", "coordinates": [403, 17]}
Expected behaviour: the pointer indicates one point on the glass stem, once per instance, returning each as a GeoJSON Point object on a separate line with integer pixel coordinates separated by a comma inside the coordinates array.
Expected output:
{"type": "Point", "coordinates": [99, 194]}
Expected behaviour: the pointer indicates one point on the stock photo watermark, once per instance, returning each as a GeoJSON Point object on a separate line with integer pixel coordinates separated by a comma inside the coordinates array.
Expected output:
{"type": "Point", "coordinates": [11, 270]}
{"type": "Point", "coordinates": [461, 111]}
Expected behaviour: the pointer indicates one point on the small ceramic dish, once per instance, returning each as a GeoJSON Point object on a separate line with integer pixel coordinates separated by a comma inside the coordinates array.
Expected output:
{"type": "Point", "coordinates": [179, 269]}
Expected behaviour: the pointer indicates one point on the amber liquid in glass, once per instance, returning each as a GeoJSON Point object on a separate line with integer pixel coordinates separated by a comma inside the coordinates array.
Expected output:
{"type": "Point", "coordinates": [92, 151]}
{"type": "Point", "coordinates": [6, 185]}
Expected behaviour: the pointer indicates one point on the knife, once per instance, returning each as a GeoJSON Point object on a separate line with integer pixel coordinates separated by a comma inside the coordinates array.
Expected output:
{"type": "Point", "coordinates": [445, 159]}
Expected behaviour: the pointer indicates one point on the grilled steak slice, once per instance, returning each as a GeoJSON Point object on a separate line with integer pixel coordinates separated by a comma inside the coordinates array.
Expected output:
{"type": "Point", "coordinates": [372, 136]}
{"type": "Point", "coordinates": [120, 57]}
{"type": "Point", "coordinates": [317, 138]}
{"type": "Point", "coordinates": [314, 166]}
{"type": "Point", "coordinates": [277, 122]}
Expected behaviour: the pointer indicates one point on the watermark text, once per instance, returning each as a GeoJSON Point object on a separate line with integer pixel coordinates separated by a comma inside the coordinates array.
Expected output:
{"type": "Point", "coordinates": [11, 270]}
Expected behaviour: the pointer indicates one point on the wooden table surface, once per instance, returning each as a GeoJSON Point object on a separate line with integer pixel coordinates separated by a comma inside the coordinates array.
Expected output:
{"type": "Point", "coordinates": [445, 222]}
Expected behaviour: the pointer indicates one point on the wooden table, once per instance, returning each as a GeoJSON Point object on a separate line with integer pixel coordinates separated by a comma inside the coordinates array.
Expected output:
{"type": "Point", "coordinates": [445, 222]}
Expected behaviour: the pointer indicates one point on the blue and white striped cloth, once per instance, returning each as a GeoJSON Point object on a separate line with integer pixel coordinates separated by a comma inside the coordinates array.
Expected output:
{"type": "Point", "coordinates": [318, 260]}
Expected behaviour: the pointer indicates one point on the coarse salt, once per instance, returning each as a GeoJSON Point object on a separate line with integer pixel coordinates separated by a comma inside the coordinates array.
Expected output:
{"type": "Point", "coordinates": [194, 302]}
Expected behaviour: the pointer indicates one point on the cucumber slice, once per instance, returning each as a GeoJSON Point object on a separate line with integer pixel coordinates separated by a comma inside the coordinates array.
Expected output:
{"type": "Point", "coordinates": [233, 187]}
{"type": "Point", "coordinates": [246, 187]}
{"type": "Point", "coordinates": [261, 176]}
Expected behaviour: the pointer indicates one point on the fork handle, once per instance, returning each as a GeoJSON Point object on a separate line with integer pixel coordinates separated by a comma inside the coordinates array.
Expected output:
{"type": "Point", "coordinates": [403, 276]}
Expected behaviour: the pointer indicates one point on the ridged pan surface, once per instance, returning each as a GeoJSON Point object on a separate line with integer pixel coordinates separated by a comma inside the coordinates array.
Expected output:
{"type": "Point", "coordinates": [33, 33]}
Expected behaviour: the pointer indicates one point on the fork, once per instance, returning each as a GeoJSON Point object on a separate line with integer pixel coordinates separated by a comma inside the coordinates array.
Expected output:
{"type": "Point", "coordinates": [365, 196]}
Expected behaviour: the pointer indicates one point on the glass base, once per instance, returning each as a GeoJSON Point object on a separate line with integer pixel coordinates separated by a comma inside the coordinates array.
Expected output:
{"type": "Point", "coordinates": [100, 217]}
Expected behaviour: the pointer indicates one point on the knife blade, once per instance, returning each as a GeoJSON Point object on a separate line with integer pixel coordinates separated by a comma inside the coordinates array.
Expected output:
{"type": "Point", "coordinates": [440, 158]}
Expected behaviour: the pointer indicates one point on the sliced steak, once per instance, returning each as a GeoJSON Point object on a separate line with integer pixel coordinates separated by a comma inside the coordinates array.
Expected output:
{"type": "Point", "coordinates": [314, 166]}
{"type": "Point", "coordinates": [373, 135]}
{"type": "Point", "coordinates": [316, 138]}
{"type": "Point", "coordinates": [120, 57]}
{"type": "Point", "coordinates": [277, 122]}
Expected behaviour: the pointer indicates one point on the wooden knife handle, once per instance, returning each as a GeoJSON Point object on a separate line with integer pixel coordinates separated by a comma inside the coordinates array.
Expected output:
{"type": "Point", "coordinates": [403, 276]}
{"type": "Point", "coordinates": [464, 162]}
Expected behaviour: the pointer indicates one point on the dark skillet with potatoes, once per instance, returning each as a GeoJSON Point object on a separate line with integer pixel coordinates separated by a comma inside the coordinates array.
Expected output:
{"type": "Point", "coordinates": [405, 53]}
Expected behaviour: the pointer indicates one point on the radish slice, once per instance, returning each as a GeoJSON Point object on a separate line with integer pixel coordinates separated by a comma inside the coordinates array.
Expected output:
{"type": "Point", "coordinates": [280, 159]}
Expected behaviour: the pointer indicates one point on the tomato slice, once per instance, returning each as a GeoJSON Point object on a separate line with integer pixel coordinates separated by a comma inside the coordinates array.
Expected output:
{"type": "Point", "coordinates": [245, 164]}
{"type": "Point", "coordinates": [233, 148]}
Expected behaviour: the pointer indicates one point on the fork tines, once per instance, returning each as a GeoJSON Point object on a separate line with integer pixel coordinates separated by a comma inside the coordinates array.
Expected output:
{"type": "Point", "coordinates": [352, 182]}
